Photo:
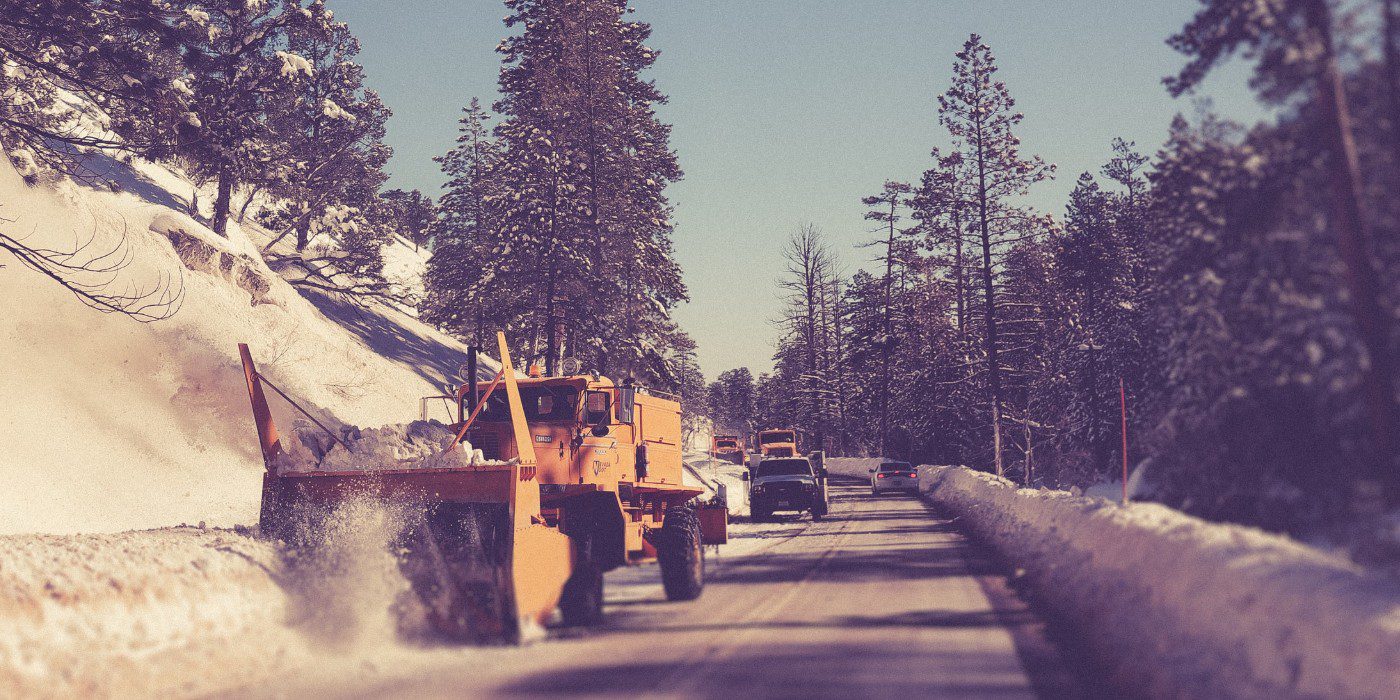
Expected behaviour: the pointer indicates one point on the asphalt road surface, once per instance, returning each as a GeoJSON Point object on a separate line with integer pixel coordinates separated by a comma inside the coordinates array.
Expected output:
{"type": "Point", "coordinates": [879, 599]}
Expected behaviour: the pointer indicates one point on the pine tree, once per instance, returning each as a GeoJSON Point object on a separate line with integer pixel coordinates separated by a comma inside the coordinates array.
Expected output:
{"type": "Point", "coordinates": [464, 281]}
{"type": "Point", "coordinates": [943, 206]}
{"type": "Point", "coordinates": [121, 58]}
{"type": "Point", "coordinates": [413, 215]}
{"type": "Point", "coordinates": [331, 132]}
{"type": "Point", "coordinates": [978, 113]}
{"type": "Point", "coordinates": [240, 74]}
{"type": "Point", "coordinates": [733, 402]}
{"type": "Point", "coordinates": [888, 209]}
{"type": "Point", "coordinates": [1297, 49]}
{"type": "Point", "coordinates": [584, 226]}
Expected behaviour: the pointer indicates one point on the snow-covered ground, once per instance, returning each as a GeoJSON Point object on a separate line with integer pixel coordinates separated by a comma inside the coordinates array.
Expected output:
{"type": "Point", "coordinates": [1179, 607]}
{"type": "Point", "coordinates": [718, 475]}
{"type": "Point", "coordinates": [113, 425]}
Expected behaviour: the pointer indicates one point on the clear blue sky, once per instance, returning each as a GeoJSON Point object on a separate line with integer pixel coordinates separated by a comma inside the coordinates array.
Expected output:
{"type": "Point", "coordinates": [792, 110]}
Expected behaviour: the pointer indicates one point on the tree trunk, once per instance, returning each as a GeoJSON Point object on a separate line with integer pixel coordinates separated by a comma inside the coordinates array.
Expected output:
{"type": "Point", "coordinates": [1378, 380]}
{"type": "Point", "coordinates": [303, 228]}
{"type": "Point", "coordinates": [223, 202]}
{"type": "Point", "coordinates": [551, 345]}
{"type": "Point", "coordinates": [1390, 40]}
{"type": "Point", "coordinates": [888, 341]}
{"type": "Point", "coordinates": [993, 361]}
{"type": "Point", "coordinates": [958, 270]}
{"type": "Point", "coordinates": [243, 211]}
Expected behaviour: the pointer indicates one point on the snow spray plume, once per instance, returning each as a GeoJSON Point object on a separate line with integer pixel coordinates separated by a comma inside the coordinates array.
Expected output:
{"type": "Point", "coordinates": [344, 573]}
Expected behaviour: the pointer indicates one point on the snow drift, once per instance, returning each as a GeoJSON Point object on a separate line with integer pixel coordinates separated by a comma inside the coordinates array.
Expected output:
{"type": "Point", "coordinates": [194, 611]}
{"type": "Point", "coordinates": [137, 613]}
{"type": "Point", "coordinates": [1179, 607]}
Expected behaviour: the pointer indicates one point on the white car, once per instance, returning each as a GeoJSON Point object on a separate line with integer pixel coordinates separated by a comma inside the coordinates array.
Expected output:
{"type": "Point", "coordinates": [894, 476]}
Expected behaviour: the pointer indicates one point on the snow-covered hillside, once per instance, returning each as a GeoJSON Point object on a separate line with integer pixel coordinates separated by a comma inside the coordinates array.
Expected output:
{"type": "Point", "coordinates": [110, 424]}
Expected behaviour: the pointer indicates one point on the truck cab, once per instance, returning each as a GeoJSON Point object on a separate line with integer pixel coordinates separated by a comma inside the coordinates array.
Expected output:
{"type": "Point", "coordinates": [777, 443]}
{"type": "Point", "coordinates": [586, 430]}
{"type": "Point", "coordinates": [729, 448]}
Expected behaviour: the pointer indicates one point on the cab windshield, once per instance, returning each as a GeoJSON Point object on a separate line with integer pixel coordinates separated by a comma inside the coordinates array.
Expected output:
{"type": "Point", "coordinates": [542, 403]}
{"type": "Point", "coordinates": [783, 467]}
{"type": "Point", "coordinates": [895, 467]}
{"type": "Point", "coordinates": [769, 438]}
{"type": "Point", "coordinates": [725, 443]}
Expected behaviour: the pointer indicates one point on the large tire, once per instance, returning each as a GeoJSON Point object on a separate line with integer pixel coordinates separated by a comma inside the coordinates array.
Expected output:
{"type": "Point", "coordinates": [681, 554]}
{"type": "Point", "coordinates": [819, 510]}
{"type": "Point", "coordinates": [759, 515]}
{"type": "Point", "coordinates": [582, 602]}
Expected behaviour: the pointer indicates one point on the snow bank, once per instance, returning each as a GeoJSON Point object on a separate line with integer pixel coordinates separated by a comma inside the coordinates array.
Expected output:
{"type": "Point", "coordinates": [715, 476]}
{"type": "Point", "coordinates": [193, 611]}
{"type": "Point", "coordinates": [1179, 607]}
{"type": "Point", "coordinates": [853, 467]}
{"type": "Point", "coordinates": [113, 425]}
{"type": "Point", "coordinates": [138, 613]}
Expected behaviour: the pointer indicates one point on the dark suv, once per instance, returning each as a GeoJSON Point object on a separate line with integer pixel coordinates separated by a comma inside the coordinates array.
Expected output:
{"type": "Point", "coordinates": [787, 483]}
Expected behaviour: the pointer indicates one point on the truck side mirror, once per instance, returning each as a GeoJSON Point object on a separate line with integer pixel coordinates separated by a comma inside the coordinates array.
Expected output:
{"type": "Point", "coordinates": [872, 471]}
{"type": "Point", "coordinates": [744, 476]}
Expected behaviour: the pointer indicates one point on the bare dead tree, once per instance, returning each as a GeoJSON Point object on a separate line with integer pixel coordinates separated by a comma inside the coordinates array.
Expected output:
{"type": "Point", "coordinates": [94, 275]}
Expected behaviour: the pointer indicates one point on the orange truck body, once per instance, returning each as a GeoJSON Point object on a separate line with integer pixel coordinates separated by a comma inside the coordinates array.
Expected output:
{"type": "Point", "coordinates": [778, 442]}
{"type": "Point", "coordinates": [578, 470]}
{"type": "Point", "coordinates": [729, 448]}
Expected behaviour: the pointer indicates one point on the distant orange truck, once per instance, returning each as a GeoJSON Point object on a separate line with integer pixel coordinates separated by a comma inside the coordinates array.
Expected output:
{"type": "Point", "coordinates": [777, 443]}
{"type": "Point", "coordinates": [730, 448]}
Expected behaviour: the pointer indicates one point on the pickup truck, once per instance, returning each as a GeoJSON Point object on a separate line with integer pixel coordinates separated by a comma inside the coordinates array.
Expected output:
{"type": "Point", "coordinates": [787, 484]}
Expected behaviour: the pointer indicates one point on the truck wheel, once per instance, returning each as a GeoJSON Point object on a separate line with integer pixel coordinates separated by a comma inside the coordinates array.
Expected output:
{"type": "Point", "coordinates": [759, 516]}
{"type": "Point", "coordinates": [582, 602]}
{"type": "Point", "coordinates": [681, 555]}
{"type": "Point", "coordinates": [819, 511]}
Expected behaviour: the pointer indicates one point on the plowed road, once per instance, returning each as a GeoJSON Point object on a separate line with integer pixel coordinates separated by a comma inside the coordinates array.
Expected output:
{"type": "Point", "coordinates": [880, 599]}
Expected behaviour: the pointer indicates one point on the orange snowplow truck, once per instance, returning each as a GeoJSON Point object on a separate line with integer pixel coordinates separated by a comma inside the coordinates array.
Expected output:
{"type": "Point", "coordinates": [729, 448]}
{"type": "Point", "coordinates": [580, 476]}
{"type": "Point", "coordinates": [777, 443]}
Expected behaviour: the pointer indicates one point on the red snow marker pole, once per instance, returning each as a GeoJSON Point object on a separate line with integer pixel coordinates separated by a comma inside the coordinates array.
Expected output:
{"type": "Point", "coordinates": [1123, 404]}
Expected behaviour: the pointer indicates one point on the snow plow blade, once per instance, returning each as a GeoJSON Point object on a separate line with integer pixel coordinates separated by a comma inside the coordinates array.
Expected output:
{"type": "Point", "coordinates": [472, 541]}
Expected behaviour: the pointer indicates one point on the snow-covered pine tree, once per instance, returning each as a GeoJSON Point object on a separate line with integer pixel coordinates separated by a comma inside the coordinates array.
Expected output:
{"type": "Point", "coordinates": [733, 401]}
{"type": "Point", "coordinates": [466, 292]}
{"type": "Point", "coordinates": [240, 74]}
{"type": "Point", "coordinates": [331, 132]}
{"type": "Point", "coordinates": [863, 303]}
{"type": "Point", "coordinates": [1296, 47]}
{"type": "Point", "coordinates": [978, 112]}
{"type": "Point", "coordinates": [413, 215]}
{"type": "Point", "coordinates": [119, 58]}
{"type": "Point", "coordinates": [584, 226]}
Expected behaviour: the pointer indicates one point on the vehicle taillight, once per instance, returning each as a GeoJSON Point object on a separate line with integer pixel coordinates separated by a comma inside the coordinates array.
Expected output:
{"type": "Point", "coordinates": [912, 475]}
{"type": "Point", "coordinates": [882, 475]}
